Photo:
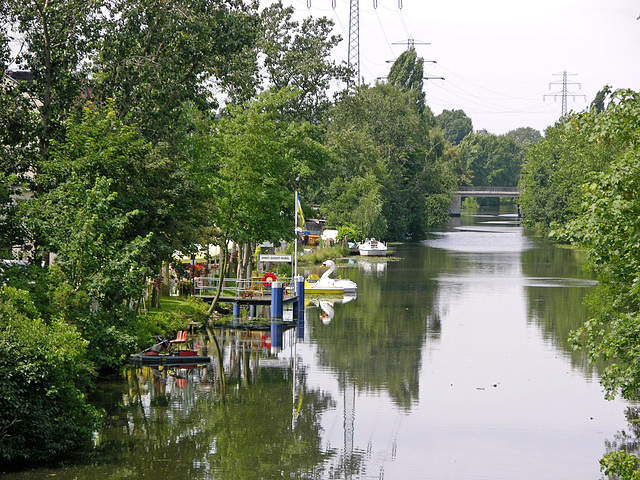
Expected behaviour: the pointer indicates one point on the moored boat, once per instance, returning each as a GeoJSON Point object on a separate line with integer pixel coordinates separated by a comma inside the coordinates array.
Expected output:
{"type": "Point", "coordinates": [182, 358]}
{"type": "Point", "coordinates": [372, 248]}
{"type": "Point", "coordinates": [164, 353]}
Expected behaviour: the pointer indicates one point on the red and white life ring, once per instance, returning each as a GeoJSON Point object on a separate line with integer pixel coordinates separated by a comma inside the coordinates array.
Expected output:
{"type": "Point", "coordinates": [268, 278]}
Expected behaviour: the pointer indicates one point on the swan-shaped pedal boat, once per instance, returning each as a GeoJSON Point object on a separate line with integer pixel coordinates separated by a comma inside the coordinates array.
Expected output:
{"type": "Point", "coordinates": [327, 285]}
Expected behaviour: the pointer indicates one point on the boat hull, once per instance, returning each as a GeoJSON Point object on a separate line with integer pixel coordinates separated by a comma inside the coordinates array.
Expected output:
{"type": "Point", "coordinates": [373, 253]}
{"type": "Point", "coordinates": [168, 359]}
{"type": "Point", "coordinates": [372, 248]}
{"type": "Point", "coordinates": [329, 291]}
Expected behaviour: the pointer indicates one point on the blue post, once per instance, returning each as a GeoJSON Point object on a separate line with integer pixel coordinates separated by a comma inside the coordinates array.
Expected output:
{"type": "Point", "coordinates": [236, 312]}
{"type": "Point", "coordinates": [276, 317]}
{"type": "Point", "coordinates": [276, 300]}
{"type": "Point", "coordinates": [276, 335]}
{"type": "Point", "coordinates": [252, 311]}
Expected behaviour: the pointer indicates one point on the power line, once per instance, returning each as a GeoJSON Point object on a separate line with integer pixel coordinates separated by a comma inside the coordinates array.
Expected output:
{"type": "Point", "coordinates": [564, 93]}
{"type": "Point", "coordinates": [353, 57]}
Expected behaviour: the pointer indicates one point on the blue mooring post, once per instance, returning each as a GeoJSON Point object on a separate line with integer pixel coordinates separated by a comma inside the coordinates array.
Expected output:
{"type": "Point", "coordinates": [276, 300]}
{"type": "Point", "coordinates": [276, 317]}
{"type": "Point", "coordinates": [236, 312]}
{"type": "Point", "coordinates": [276, 335]}
{"type": "Point", "coordinates": [300, 293]}
{"type": "Point", "coordinates": [252, 311]}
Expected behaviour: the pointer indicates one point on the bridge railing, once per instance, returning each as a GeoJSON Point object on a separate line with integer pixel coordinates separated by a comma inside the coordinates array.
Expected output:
{"type": "Point", "coordinates": [488, 189]}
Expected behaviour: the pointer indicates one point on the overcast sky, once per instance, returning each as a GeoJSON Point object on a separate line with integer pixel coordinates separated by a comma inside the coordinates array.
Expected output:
{"type": "Point", "coordinates": [498, 57]}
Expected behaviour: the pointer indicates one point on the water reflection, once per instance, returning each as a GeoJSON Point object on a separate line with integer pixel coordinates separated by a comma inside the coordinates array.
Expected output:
{"type": "Point", "coordinates": [373, 266]}
{"type": "Point", "coordinates": [326, 304]}
{"type": "Point", "coordinates": [452, 363]}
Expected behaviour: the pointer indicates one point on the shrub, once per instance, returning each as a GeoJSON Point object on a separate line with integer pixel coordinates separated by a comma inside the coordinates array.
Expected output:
{"type": "Point", "coordinates": [44, 414]}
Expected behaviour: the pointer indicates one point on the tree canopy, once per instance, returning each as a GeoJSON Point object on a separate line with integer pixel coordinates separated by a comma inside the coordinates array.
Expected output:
{"type": "Point", "coordinates": [490, 160]}
{"type": "Point", "coordinates": [607, 225]}
{"type": "Point", "coordinates": [385, 142]}
{"type": "Point", "coordinates": [455, 125]}
{"type": "Point", "coordinates": [298, 55]}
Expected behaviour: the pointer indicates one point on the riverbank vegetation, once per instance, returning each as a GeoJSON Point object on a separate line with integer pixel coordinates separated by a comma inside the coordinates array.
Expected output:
{"type": "Point", "coordinates": [580, 184]}
{"type": "Point", "coordinates": [147, 128]}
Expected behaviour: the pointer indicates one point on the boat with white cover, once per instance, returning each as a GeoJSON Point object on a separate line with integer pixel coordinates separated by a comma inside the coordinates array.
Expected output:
{"type": "Point", "coordinates": [372, 248]}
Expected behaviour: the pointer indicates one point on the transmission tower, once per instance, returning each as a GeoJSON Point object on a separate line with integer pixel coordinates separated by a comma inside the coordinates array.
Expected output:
{"type": "Point", "coordinates": [411, 43]}
{"type": "Point", "coordinates": [353, 59]}
{"type": "Point", "coordinates": [564, 93]}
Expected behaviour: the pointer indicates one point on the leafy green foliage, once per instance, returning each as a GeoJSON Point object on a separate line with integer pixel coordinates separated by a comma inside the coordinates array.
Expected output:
{"type": "Point", "coordinates": [390, 165]}
{"type": "Point", "coordinates": [620, 465]}
{"type": "Point", "coordinates": [455, 125]}
{"type": "Point", "coordinates": [358, 203]}
{"type": "Point", "coordinates": [43, 373]}
{"type": "Point", "coordinates": [491, 160]}
{"type": "Point", "coordinates": [247, 163]}
{"type": "Point", "coordinates": [256, 157]}
{"type": "Point", "coordinates": [57, 35]}
{"type": "Point", "coordinates": [525, 136]}
{"type": "Point", "coordinates": [298, 55]}
{"type": "Point", "coordinates": [407, 72]}
{"type": "Point", "coordinates": [108, 216]}
{"type": "Point", "coordinates": [155, 56]}
{"type": "Point", "coordinates": [608, 227]}
{"type": "Point", "coordinates": [555, 170]}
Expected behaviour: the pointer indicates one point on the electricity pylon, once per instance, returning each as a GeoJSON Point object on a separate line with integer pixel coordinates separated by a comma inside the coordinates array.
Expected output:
{"type": "Point", "coordinates": [353, 58]}
{"type": "Point", "coordinates": [564, 93]}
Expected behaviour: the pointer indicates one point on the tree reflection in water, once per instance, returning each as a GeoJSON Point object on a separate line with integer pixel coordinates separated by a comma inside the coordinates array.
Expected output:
{"type": "Point", "coordinates": [173, 421]}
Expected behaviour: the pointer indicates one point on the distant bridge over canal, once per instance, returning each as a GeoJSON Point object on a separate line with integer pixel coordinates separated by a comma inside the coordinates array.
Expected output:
{"type": "Point", "coordinates": [494, 192]}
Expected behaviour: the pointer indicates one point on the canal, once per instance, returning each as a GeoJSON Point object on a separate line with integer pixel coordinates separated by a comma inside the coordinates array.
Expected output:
{"type": "Point", "coordinates": [452, 362]}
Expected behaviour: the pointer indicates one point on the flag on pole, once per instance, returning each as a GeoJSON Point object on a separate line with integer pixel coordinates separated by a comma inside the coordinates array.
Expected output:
{"type": "Point", "coordinates": [299, 209]}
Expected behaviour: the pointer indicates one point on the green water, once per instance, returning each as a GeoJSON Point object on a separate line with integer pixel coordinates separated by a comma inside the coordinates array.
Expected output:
{"type": "Point", "coordinates": [452, 362]}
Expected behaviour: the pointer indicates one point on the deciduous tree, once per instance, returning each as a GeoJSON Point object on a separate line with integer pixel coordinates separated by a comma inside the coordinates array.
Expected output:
{"type": "Point", "coordinates": [608, 226]}
{"type": "Point", "coordinates": [299, 55]}
{"type": "Point", "coordinates": [455, 125]}
{"type": "Point", "coordinates": [248, 161]}
{"type": "Point", "coordinates": [380, 131]}
{"type": "Point", "coordinates": [155, 56]}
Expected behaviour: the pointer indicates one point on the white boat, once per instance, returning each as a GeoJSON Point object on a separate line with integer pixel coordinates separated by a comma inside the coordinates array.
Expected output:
{"type": "Point", "coordinates": [372, 248]}
{"type": "Point", "coordinates": [326, 285]}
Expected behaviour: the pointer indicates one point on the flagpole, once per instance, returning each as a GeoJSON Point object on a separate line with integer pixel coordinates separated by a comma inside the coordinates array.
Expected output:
{"type": "Point", "coordinates": [295, 250]}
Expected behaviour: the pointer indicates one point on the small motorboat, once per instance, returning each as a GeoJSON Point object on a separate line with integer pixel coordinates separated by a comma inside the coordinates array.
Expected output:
{"type": "Point", "coordinates": [164, 353]}
{"type": "Point", "coordinates": [182, 358]}
{"type": "Point", "coordinates": [372, 248]}
{"type": "Point", "coordinates": [325, 285]}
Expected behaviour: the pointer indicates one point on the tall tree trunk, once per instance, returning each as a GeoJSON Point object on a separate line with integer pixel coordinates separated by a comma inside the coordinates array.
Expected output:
{"type": "Point", "coordinates": [166, 280]}
{"type": "Point", "coordinates": [224, 254]}
{"type": "Point", "coordinates": [249, 266]}
{"type": "Point", "coordinates": [246, 261]}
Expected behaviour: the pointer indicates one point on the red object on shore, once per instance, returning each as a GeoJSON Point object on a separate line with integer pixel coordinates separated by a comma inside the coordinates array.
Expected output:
{"type": "Point", "coordinates": [268, 278]}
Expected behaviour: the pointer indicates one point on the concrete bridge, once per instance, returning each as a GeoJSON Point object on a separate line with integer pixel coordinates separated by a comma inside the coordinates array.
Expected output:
{"type": "Point", "coordinates": [495, 192]}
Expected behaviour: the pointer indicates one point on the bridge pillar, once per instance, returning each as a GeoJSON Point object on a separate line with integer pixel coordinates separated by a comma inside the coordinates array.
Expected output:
{"type": "Point", "coordinates": [456, 206]}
